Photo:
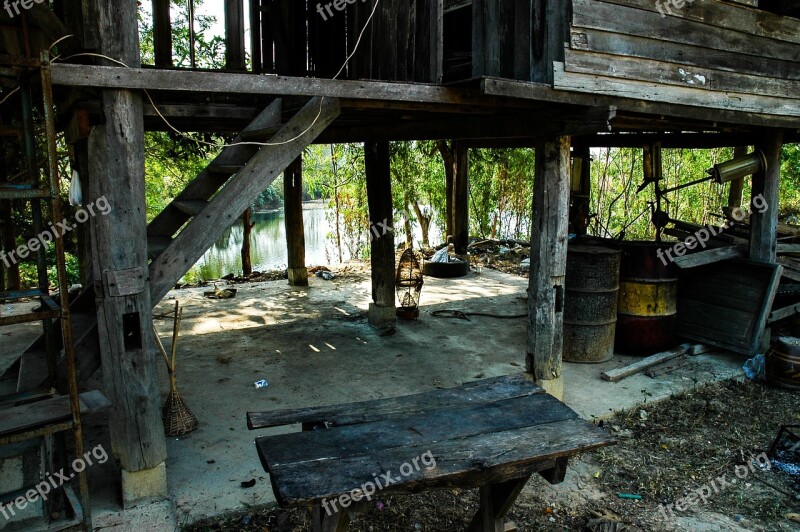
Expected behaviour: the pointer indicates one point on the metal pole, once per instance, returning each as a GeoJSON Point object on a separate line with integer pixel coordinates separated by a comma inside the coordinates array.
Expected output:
{"type": "Point", "coordinates": [66, 318]}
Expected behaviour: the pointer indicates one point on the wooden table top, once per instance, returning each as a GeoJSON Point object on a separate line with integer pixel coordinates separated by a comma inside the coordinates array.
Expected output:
{"type": "Point", "coordinates": [482, 432]}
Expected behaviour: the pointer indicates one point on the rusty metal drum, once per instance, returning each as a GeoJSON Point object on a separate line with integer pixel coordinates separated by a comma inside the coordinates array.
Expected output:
{"type": "Point", "coordinates": [783, 363]}
{"type": "Point", "coordinates": [590, 303]}
{"type": "Point", "coordinates": [648, 300]}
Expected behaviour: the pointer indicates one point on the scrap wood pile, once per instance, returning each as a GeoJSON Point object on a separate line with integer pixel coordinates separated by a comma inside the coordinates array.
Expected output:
{"type": "Point", "coordinates": [778, 285]}
{"type": "Point", "coordinates": [730, 242]}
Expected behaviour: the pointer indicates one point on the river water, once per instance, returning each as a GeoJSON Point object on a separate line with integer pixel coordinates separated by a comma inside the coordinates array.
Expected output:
{"type": "Point", "coordinates": [268, 243]}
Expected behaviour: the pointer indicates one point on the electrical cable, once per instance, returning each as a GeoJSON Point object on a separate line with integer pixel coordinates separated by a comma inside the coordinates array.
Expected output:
{"type": "Point", "coordinates": [213, 144]}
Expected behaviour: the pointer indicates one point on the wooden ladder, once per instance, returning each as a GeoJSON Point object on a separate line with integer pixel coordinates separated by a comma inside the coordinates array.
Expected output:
{"type": "Point", "coordinates": [197, 217]}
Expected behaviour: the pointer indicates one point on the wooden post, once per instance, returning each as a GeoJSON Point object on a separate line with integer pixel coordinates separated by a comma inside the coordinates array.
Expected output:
{"type": "Point", "coordinates": [580, 190]}
{"type": "Point", "coordinates": [295, 231]}
{"type": "Point", "coordinates": [737, 185]}
{"type": "Point", "coordinates": [247, 259]}
{"type": "Point", "coordinates": [548, 264]}
{"type": "Point", "coordinates": [234, 35]}
{"type": "Point", "coordinates": [162, 33]}
{"type": "Point", "coordinates": [764, 225]}
{"type": "Point", "coordinates": [461, 200]}
{"type": "Point", "coordinates": [255, 36]}
{"type": "Point", "coordinates": [379, 196]}
{"type": "Point", "coordinates": [119, 245]}
{"type": "Point", "coordinates": [764, 208]}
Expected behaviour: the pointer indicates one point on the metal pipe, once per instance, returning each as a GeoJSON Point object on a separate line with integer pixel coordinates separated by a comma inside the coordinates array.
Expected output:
{"type": "Point", "coordinates": [739, 167]}
{"type": "Point", "coordinates": [66, 317]}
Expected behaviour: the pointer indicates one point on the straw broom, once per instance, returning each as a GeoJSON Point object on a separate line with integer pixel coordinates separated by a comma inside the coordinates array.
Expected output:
{"type": "Point", "coordinates": [178, 419]}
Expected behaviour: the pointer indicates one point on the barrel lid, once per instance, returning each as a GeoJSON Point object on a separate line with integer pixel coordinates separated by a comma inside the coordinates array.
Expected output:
{"type": "Point", "coordinates": [586, 248]}
{"type": "Point", "coordinates": [789, 345]}
{"type": "Point", "coordinates": [790, 341]}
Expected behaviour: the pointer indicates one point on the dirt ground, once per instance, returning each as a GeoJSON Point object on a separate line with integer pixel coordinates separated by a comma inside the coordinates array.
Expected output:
{"type": "Point", "coordinates": [665, 451]}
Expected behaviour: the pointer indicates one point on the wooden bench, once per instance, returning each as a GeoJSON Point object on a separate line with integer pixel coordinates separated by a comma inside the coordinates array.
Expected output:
{"type": "Point", "coordinates": [491, 434]}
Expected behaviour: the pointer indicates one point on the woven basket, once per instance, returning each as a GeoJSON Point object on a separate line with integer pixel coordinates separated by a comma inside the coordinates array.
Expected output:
{"type": "Point", "coordinates": [178, 419]}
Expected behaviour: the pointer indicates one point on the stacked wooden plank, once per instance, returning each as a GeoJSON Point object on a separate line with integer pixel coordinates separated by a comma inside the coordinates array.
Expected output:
{"type": "Point", "coordinates": [707, 53]}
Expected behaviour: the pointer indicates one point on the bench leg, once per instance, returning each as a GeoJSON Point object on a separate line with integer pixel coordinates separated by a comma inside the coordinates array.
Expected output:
{"type": "Point", "coordinates": [496, 501]}
{"type": "Point", "coordinates": [322, 522]}
{"type": "Point", "coordinates": [556, 474]}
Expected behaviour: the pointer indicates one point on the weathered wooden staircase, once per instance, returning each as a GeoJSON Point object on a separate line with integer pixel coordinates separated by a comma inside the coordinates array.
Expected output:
{"type": "Point", "coordinates": [196, 218]}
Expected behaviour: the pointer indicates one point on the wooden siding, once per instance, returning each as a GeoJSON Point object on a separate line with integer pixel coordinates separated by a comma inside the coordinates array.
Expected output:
{"type": "Point", "coordinates": [709, 53]}
{"type": "Point", "coordinates": [402, 43]}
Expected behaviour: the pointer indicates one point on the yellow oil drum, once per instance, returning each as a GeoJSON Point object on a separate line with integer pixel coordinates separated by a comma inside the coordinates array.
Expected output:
{"type": "Point", "coordinates": [591, 291]}
{"type": "Point", "coordinates": [648, 301]}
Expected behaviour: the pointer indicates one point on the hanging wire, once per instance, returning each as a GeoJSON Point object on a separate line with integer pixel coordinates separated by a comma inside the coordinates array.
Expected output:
{"type": "Point", "coordinates": [214, 144]}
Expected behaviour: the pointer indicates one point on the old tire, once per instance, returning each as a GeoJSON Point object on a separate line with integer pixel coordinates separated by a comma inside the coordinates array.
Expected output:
{"type": "Point", "coordinates": [446, 270]}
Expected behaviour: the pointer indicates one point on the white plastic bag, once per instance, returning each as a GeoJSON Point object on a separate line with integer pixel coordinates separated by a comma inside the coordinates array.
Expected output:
{"type": "Point", "coordinates": [75, 192]}
{"type": "Point", "coordinates": [441, 255]}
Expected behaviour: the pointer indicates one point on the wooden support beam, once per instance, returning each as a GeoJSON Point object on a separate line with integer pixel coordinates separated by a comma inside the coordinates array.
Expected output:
{"type": "Point", "coordinates": [247, 227]}
{"type": "Point", "coordinates": [295, 232]}
{"type": "Point", "coordinates": [580, 190]}
{"type": "Point", "coordinates": [234, 35]}
{"type": "Point", "coordinates": [379, 195]}
{"type": "Point", "coordinates": [119, 245]}
{"type": "Point", "coordinates": [162, 33]}
{"type": "Point", "coordinates": [737, 185]}
{"type": "Point", "coordinates": [495, 502]}
{"type": "Point", "coordinates": [461, 199]}
{"type": "Point", "coordinates": [764, 226]}
{"type": "Point", "coordinates": [548, 264]}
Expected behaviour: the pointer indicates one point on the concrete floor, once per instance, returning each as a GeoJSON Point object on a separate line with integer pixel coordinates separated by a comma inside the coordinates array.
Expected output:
{"type": "Point", "coordinates": [314, 348]}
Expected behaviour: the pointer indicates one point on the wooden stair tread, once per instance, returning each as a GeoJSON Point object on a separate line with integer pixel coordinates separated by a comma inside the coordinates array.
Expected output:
{"type": "Point", "coordinates": [32, 369]}
{"type": "Point", "coordinates": [50, 411]}
{"type": "Point", "coordinates": [260, 135]}
{"type": "Point", "coordinates": [33, 362]}
{"type": "Point", "coordinates": [190, 207]}
{"type": "Point", "coordinates": [227, 169]}
{"type": "Point", "coordinates": [157, 244]}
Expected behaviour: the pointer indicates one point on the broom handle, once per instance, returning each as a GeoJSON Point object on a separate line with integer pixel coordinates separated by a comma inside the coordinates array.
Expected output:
{"type": "Point", "coordinates": [175, 329]}
{"type": "Point", "coordinates": [161, 347]}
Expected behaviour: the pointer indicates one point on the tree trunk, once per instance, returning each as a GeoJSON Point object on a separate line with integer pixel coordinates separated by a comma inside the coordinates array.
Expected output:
{"type": "Point", "coordinates": [461, 200]}
{"type": "Point", "coordinates": [424, 225]}
{"type": "Point", "coordinates": [449, 171]}
{"type": "Point", "coordinates": [247, 263]}
{"type": "Point", "coordinates": [408, 229]}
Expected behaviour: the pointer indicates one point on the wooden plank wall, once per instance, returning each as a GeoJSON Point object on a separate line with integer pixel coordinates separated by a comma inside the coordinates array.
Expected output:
{"type": "Point", "coordinates": [709, 53]}
{"type": "Point", "coordinates": [402, 43]}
